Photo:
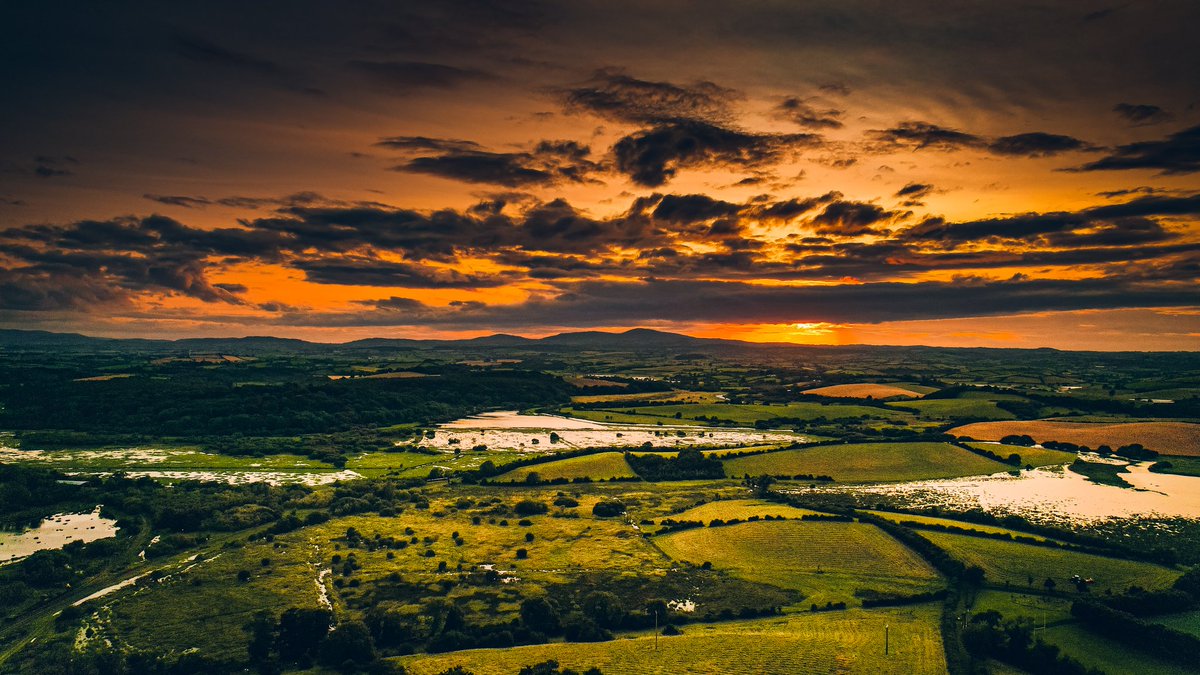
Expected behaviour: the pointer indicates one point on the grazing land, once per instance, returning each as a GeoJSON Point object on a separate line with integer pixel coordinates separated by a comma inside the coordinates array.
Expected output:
{"type": "Point", "coordinates": [1167, 438]}
{"type": "Point", "coordinates": [868, 462]}
{"type": "Point", "coordinates": [1014, 563]}
{"type": "Point", "coordinates": [827, 561]}
{"type": "Point", "coordinates": [247, 497]}
{"type": "Point", "coordinates": [831, 643]}
{"type": "Point", "coordinates": [603, 466]}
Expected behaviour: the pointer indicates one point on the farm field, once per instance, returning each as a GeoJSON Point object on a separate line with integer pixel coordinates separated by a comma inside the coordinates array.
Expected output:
{"type": "Point", "coordinates": [948, 522]}
{"type": "Point", "coordinates": [603, 466]}
{"type": "Point", "coordinates": [956, 408]}
{"type": "Point", "coordinates": [1188, 622]}
{"type": "Point", "coordinates": [1029, 456]}
{"type": "Point", "coordinates": [832, 642]}
{"type": "Point", "coordinates": [1014, 604]}
{"type": "Point", "coordinates": [864, 390]}
{"type": "Point", "coordinates": [868, 462]}
{"type": "Point", "coordinates": [1014, 563]}
{"type": "Point", "coordinates": [1094, 651]}
{"type": "Point", "coordinates": [677, 396]}
{"type": "Point", "coordinates": [827, 561]}
{"type": "Point", "coordinates": [727, 509]}
{"type": "Point", "coordinates": [1167, 438]}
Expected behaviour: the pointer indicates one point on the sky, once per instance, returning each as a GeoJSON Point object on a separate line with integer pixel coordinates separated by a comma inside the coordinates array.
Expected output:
{"type": "Point", "coordinates": [1015, 174]}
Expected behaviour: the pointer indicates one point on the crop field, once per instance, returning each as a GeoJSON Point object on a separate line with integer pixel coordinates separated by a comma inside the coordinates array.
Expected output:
{"type": "Point", "coordinates": [956, 408]}
{"type": "Point", "coordinates": [868, 462]}
{"type": "Point", "coordinates": [1011, 562]}
{"type": "Point", "coordinates": [864, 390]}
{"type": "Point", "coordinates": [1094, 651]}
{"type": "Point", "coordinates": [833, 642]}
{"type": "Point", "coordinates": [947, 522]}
{"type": "Point", "coordinates": [603, 466]}
{"type": "Point", "coordinates": [727, 509]}
{"type": "Point", "coordinates": [1168, 438]}
{"type": "Point", "coordinates": [1029, 456]}
{"type": "Point", "coordinates": [827, 561]}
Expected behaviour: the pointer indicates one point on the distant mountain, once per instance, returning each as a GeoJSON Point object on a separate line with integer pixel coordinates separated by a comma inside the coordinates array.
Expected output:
{"type": "Point", "coordinates": [637, 338]}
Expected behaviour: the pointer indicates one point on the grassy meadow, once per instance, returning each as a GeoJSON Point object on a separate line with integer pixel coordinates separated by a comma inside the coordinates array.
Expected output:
{"type": "Point", "coordinates": [868, 462]}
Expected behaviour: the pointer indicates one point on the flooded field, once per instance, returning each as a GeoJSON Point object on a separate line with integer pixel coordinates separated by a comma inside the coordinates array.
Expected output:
{"type": "Point", "coordinates": [55, 532]}
{"type": "Point", "coordinates": [1052, 494]}
{"type": "Point", "coordinates": [244, 477]}
{"type": "Point", "coordinates": [511, 430]}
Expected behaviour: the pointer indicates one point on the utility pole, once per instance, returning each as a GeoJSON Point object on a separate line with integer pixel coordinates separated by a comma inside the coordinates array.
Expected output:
{"type": "Point", "coordinates": [656, 630]}
{"type": "Point", "coordinates": [886, 639]}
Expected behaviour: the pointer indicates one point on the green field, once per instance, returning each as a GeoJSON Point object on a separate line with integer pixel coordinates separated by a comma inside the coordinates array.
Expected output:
{"type": "Point", "coordinates": [1011, 562]}
{"type": "Point", "coordinates": [947, 522]}
{"type": "Point", "coordinates": [620, 417]}
{"type": "Point", "coordinates": [603, 466]}
{"type": "Point", "coordinates": [727, 509]}
{"type": "Point", "coordinates": [868, 462]}
{"type": "Point", "coordinates": [1095, 651]}
{"type": "Point", "coordinates": [828, 561]}
{"type": "Point", "coordinates": [1029, 456]}
{"type": "Point", "coordinates": [834, 642]}
{"type": "Point", "coordinates": [1184, 466]}
{"type": "Point", "coordinates": [1188, 622]}
{"type": "Point", "coordinates": [956, 408]}
{"type": "Point", "coordinates": [1037, 608]}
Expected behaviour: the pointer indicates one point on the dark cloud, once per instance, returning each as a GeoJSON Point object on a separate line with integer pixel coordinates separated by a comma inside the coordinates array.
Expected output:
{"type": "Point", "coordinates": [614, 95]}
{"type": "Point", "coordinates": [183, 201]}
{"type": "Point", "coordinates": [362, 271]}
{"type": "Point", "coordinates": [1032, 225]}
{"type": "Point", "coordinates": [652, 157]}
{"type": "Point", "coordinates": [850, 219]}
{"type": "Point", "coordinates": [1036, 144]}
{"type": "Point", "coordinates": [693, 208]}
{"type": "Point", "coordinates": [591, 303]}
{"type": "Point", "coordinates": [923, 135]}
{"type": "Point", "coordinates": [1178, 153]}
{"type": "Point", "coordinates": [547, 163]}
{"type": "Point", "coordinates": [202, 50]}
{"type": "Point", "coordinates": [914, 190]}
{"type": "Point", "coordinates": [804, 114]}
{"type": "Point", "coordinates": [837, 88]}
{"type": "Point", "coordinates": [408, 76]}
{"type": "Point", "coordinates": [1141, 114]}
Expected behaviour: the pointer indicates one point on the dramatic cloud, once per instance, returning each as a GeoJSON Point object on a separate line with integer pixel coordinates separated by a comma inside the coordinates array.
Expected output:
{"type": "Point", "coordinates": [614, 95]}
{"type": "Point", "coordinates": [1141, 114]}
{"type": "Point", "coordinates": [547, 163]}
{"type": "Point", "coordinates": [653, 157]}
{"type": "Point", "coordinates": [1031, 225]}
{"type": "Point", "coordinates": [1178, 153]}
{"type": "Point", "coordinates": [805, 114]}
{"type": "Point", "coordinates": [1036, 144]}
{"type": "Point", "coordinates": [850, 219]}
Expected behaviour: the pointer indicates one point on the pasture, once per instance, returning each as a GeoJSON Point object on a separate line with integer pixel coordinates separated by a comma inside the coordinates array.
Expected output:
{"type": "Point", "coordinates": [956, 409]}
{"type": "Point", "coordinates": [827, 561]}
{"type": "Point", "coordinates": [1015, 563]}
{"type": "Point", "coordinates": [603, 466]}
{"type": "Point", "coordinates": [1095, 651]}
{"type": "Point", "coordinates": [868, 462]}
{"type": "Point", "coordinates": [833, 642]}
{"type": "Point", "coordinates": [727, 509]}
{"type": "Point", "coordinates": [1167, 438]}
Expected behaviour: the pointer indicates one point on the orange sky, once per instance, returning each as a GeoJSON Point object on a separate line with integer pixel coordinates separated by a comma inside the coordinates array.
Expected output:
{"type": "Point", "coordinates": [829, 174]}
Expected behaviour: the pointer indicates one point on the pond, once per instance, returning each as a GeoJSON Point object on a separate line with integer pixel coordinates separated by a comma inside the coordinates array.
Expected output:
{"type": "Point", "coordinates": [55, 532]}
{"type": "Point", "coordinates": [1052, 494]}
